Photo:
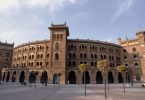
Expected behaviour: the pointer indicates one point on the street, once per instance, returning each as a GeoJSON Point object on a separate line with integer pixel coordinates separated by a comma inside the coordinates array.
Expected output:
{"type": "Point", "coordinates": [69, 92]}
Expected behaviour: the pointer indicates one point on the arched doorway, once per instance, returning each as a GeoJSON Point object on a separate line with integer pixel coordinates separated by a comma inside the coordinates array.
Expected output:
{"type": "Point", "coordinates": [14, 76]}
{"type": "Point", "coordinates": [44, 78]}
{"type": "Point", "coordinates": [87, 78]}
{"type": "Point", "coordinates": [72, 77]}
{"type": "Point", "coordinates": [99, 78]}
{"type": "Point", "coordinates": [120, 78]}
{"type": "Point", "coordinates": [55, 78]}
{"type": "Point", "coordinates": [110, 77]}
{"type": "Point", "coordinates": [4, 75]}
{"type": "Point", "coordinates": [22, 77]}
{"type": "Point", "coordinates": [8, 77]}
{"type": "Point", "coordinates": [32, 77]}
{"type": "Point", "coordinates": [127, 77]}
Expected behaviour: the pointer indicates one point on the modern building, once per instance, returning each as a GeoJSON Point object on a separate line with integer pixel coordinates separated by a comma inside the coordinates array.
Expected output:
{"type": "Point", "coordinates": [60, 58]}
{"type": "Point", "coordinates": [6, 51]}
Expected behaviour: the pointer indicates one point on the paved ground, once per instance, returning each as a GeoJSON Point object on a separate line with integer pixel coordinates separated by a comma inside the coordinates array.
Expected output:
{"type": "Point", "coordinates": [69, 92]}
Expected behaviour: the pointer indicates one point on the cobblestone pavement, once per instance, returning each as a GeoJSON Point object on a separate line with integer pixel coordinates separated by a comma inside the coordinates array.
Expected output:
{"type": "Point", "coordinates": [17, 91]}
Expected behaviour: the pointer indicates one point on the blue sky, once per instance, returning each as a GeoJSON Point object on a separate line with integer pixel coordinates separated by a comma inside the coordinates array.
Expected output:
{"type": "Point", "coordinates": [22, 21]}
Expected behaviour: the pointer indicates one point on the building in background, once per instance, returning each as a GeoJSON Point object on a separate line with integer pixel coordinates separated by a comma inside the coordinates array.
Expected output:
{"type": "Point", "coordinates": [6, 51]}
{"type": "Point", "coordinates": [60, 58]}
{"type": "Point", "coordinates": [134, 55]}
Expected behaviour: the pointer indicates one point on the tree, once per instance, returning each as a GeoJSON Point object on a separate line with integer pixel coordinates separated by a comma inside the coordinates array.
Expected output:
{"type": "Point", "coordinates": [121, 69]}
{"type": "Point", "coordinates": [103, 65]}
{"type": "Point", "coordinates": [83, 68]}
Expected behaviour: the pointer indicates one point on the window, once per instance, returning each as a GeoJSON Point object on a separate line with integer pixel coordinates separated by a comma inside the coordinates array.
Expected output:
{"type": "Point", "coordinates": [38, 56]}
{"type": "Point", "coordinates": [7, 54]}
{"type": "Point", "coordinates": [125, 58]}
{"type": "Point", "coordinates": [0, 53]}
{"type": "Point", "coordinates": [95, 56]}
{"type": "Point", "coordinates": [56, 46]}
{"type": "Point", "coordinates": [81, 55]}
{"type": "Point", "coordinates": [69, 55]}
{"type": "Point", "coordinates": [47, 63]}
{"type": "Point", "coordinates": [126, 65]}
{"type": "Point", "coordinates": [104, 56]}
{"type": "Point", "coordinates": [92, 63]}
{"type": "Point", "coordinates": [31, 63]}
{"type": "Point", "coordinates": [101, 57]}
{"type": "Point", "coordinates": [74, 63]}
{"type": "Point", "coordinates": [41, 55]}
{"type": "Point", "coordinates": [92, 56]}
{"type": "Point", "coordinates": [85, 56]}
{"type": "Point", "coordinates": [61, 36]}
{"type": "Point", "coordinates": [48, 55]}
{"type": "Point", "coordinates": [135, 57]}
{"type": "Point", "coordinates": [56, 56]}
{"type": "Point", "coordinates": [40, 63]}
{"type": "Point", "coordinates": [37, 63]}
{"type": "Point", "coordinates": [136, 64]}
{"type": "Point", "coordinates": [32, 56]}
{"type": "Point", "coordinates": [124, 50]}
{"type": "Point", "coordinates": [74, 55]}
{"type": "Point", "coordinates": [133, 49]}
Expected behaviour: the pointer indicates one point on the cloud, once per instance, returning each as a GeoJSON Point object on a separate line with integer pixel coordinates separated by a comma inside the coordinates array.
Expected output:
{"type": "Point", "coordinates": [124, 6]}
{"type": "Point", "coordinates": [7, 6]}
{"type": "Point", "coordinates": [19, 37]}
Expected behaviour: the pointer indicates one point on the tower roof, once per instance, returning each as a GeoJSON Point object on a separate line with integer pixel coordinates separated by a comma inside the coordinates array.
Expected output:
{"type": "Point", "coordinates": [59, 26]}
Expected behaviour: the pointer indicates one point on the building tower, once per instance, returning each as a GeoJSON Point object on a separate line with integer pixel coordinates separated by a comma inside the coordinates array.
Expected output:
{"type": "Point", "coordinates": [58, 44]}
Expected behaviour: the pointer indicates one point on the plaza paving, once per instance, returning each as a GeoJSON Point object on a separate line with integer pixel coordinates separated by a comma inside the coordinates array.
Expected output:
{"type": "Point", "coordinates": [69, 92]}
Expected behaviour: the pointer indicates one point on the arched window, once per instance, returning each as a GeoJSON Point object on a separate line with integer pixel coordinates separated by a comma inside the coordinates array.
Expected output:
{"type": "Point", "coordinates": [133, 49]}
{"type": "Point", "coordinates": [69, 55]}
{"type": "Point", "coordinates": [69, 63]}
{"type": "Point", "coordinates": [104, 56]}
{"type": "Point", "coordinates": [101, 57]}
{"type": "Point", "coordinates": [32, 56]}
{"type": "Point", "coordinates": [125, 58]}
{"type": "Point", "coordinates": [38, 56]}
{"type": "Point", "coordinates": [31, 63]}
{"type": "Point", "coordinates": [126, 65]}
{"type": "Point", "coordinates": [81, 55]}
{"type": "Point", "coordinates": [85, 55]}
{"type": "Point", "coordinates": [40, 63]}
{"type": "Point", "coordinates": [95, 55]}
{"type": "Point", "coordinates": [92, 63]}
{"type": "Point", "coordinates": [57, 36]}
{"type": "Point", "coordinates": [136, 64]}
{"type": "Point", "coordinates": [56, 46]}
{"type": "Point", "coordinates": [124, 50]}
{"type": "Point", "coordinates": [25, 57]}
{"type": "Point", "coordinates": [92, 56]}
{"type": "Point", "coordinates": [74, 55]}
{"type": "Point", "coordinates": [74, 63]}
{"type": "Point", "coordinates": [135, 57]}
{"type": "Point", "coordinates": [61, 36]}
{"type": "Point", "coordinates": [56, 56]}
{"type": "Point", "coordinates": [48, 55]}
{"type": "Point", "coordinates": [37, 63]}
{"type": "Point", "coordinates": [41, 55]}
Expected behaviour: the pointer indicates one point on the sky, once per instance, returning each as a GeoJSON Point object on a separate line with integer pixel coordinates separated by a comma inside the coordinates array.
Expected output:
{"type": "Point", "coordinates": [23, 21]}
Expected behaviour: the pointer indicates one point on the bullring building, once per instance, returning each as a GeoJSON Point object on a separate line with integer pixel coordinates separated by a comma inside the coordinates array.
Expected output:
{"type": "Point", "coordinates": [62, 56]}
